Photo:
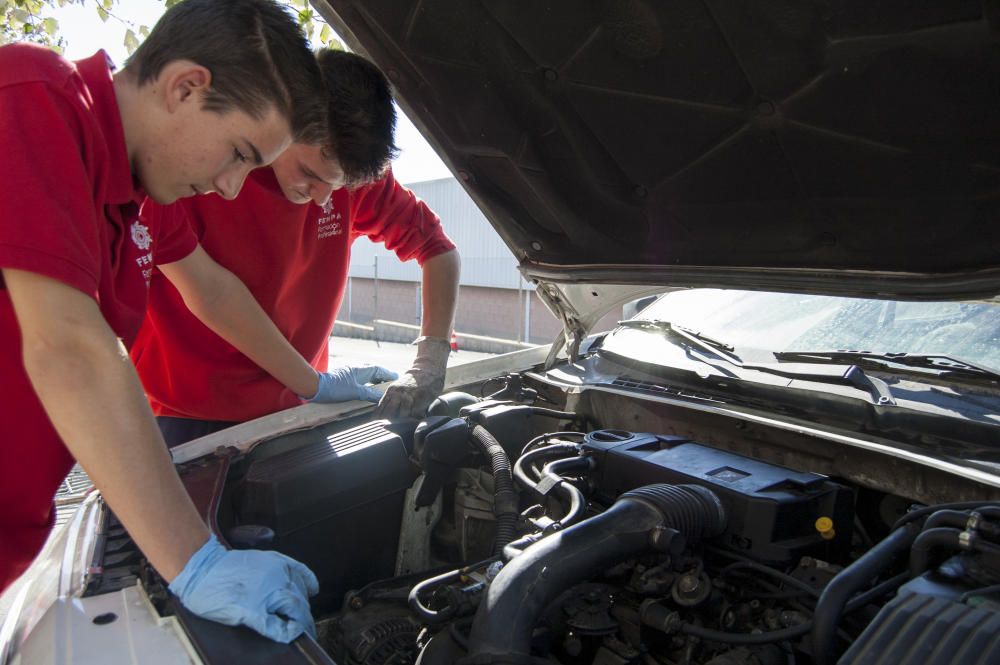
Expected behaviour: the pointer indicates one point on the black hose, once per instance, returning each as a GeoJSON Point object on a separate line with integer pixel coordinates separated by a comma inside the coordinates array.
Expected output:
{"type": "Point", "coordinates": [504, 496]}
{"type": "Point", "coordinates": [515, 548]}
{"type": "Point", "coordinates": [574, 498]}
{"type": "Point", "coordinates": [577, 503]}
{"type": "Point", "coordinates": [555, 450]}
{"type": "Point", "coordinates": [746, 638]}
{"type": "Point", "coordinates": [545, 438]}
{"type": "Point", "coordinates": [777, 574]}
{"type": "Point", "coordinates": [417, 605]}
{"type": "Point", "coordinates": [505, 620]}
{"type": "Point", "coordinates": [931, 540]}
{"type": "Point", "coordinates": [841, 588]}
{"type": "Point", "coordinates": [990, 512]}
{"type": "Point", "coordinates": [958, 505]}
{"type": "Point", "coordinates": [566, 466]}
{"type": "Point", "coordinates": [876, 592]}
{"type": "Point", "coordinates": [951, 518]}
{"type": "Point", "coordinates": [440, 616]}
{"type": "Point", "coordinates": [925, 545]}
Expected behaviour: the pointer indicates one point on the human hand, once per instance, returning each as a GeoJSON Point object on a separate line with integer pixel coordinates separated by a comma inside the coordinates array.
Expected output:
{"type": "Point", "coordinates": [347, 382]}
{"type": "Point", "coordinates": [411, 394]}
{"type": "Point", "coordinates": [265, 591]}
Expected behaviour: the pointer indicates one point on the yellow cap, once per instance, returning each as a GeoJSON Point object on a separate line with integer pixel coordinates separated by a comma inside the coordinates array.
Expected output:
{"type": "Point", "coordinates": [824, 525]}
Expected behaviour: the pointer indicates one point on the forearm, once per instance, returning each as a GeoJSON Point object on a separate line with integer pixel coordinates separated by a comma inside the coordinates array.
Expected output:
{"type": "Point", "coordinates": [93, 398]}
{"type": "Point", "coordinates": [223, 303]}
{"type": "Point", "coordinates": [411, 394]}
{"type": "Point", "coordinates": [240, 320]}
{"type": "Point", "coordinates": [97, 406]}
{"type": "Point", "coordinates": [440, 294]}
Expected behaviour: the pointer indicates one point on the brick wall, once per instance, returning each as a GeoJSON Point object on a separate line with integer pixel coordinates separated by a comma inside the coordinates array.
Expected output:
{"type": "Point", "coordinates": [481, 310]}
{"type": "Point", "coordinates": [397, 301]}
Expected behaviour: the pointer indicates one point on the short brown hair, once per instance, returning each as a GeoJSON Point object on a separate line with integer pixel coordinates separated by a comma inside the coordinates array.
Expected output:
{"type": "Point", "coordinates": [362, 117]}
{"type": "Point", "coordinates": [255, 51]}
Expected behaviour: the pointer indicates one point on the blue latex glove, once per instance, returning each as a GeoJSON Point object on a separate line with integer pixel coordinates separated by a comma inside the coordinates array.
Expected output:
{"type": "Point", "coordinates": [265, 591]}
{"type": "Point", "coordinates": [347, 382]}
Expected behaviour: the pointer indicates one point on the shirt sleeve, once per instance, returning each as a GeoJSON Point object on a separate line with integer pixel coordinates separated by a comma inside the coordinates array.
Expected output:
{"type": "Point", "coordinates": [48, 221]}
{"type": "Point", "coordinates": [175, 238]}
{"type": "Point", "coordinates": [389, 213]}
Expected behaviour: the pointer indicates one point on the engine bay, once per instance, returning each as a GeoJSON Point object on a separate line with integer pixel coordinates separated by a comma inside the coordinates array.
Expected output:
{"type": "Point", "coordinates": [525, 528]}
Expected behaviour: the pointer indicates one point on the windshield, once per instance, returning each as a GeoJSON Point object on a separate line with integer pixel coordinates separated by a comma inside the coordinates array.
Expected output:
{"type": "Point", "coordinates": [969, 331]}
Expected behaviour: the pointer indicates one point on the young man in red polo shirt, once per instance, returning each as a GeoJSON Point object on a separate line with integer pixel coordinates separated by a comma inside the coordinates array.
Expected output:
{"type": "Point", "coordinates": [219, 87]}
{"type": "Point", "coordinates": [296, 222]}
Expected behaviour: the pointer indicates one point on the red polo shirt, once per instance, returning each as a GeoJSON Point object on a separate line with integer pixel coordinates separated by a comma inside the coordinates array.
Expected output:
{"type": "Point", "coordinates": [67, 211]}
{"type": "Point", "coordinates": [294, 259]}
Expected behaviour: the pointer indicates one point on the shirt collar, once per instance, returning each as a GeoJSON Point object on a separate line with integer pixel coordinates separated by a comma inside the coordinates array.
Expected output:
{"type": "Point", "coordinates": [96, 74]}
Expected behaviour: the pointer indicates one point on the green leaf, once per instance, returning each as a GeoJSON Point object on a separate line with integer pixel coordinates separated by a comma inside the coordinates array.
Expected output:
{"type": "Point", "coordinates": [102, 13]}
{"type": "Point", "coordinates": [144, 31]}
{"type": "Point", "coordinates": [109, 4]}
{"type": "Point", "coordinates": [325, 34]}
{"type": "Point", "coordinates": [131, 43]}
{"type": "Point", "coordinates": [51, 26]}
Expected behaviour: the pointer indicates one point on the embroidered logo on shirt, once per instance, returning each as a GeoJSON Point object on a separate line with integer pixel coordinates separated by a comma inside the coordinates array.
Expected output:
{"type": "Point", "coordinates": [143, 239]}
{"type": "Point", "coordinates": [140, 236]}
{"type": "Point", "coordinates": [145, 263]}
{"type": "Point", "coordinates": [329, 224]}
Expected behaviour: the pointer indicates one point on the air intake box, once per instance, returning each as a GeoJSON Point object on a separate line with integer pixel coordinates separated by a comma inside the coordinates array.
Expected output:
{"type": "Point", "coordinates": [335, 503]}
{"type": "Point", "coordinates": [773, 511]}
{"type": "Point", "coordinates": [918, 629]}
{"type": "Point", "coordinates": [336, 473]}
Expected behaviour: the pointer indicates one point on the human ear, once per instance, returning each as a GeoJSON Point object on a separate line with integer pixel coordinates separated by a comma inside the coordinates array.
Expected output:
{"type": "Point", "coordinates": [184, 81]}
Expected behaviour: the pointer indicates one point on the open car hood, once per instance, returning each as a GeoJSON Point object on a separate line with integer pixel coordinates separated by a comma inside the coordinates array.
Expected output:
{"type": "Point", "coordinates": [808, 146]}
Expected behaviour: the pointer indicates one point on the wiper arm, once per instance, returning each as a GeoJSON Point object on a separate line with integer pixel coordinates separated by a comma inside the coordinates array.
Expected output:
{"type": "Point", "coordinates": [694, 336]}
{"type": "Point", "coordinates": [852, 376]}
{"type": "Point", "coordinates": [939, 365]}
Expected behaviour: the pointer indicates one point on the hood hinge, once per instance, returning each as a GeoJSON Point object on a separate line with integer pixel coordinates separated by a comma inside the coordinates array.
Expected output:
{"type": "Point", "coordinates": [574, 331]}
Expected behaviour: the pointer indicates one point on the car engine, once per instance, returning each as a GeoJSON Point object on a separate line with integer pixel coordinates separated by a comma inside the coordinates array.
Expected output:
{"type": "Point", "coordinates": [500, 532]}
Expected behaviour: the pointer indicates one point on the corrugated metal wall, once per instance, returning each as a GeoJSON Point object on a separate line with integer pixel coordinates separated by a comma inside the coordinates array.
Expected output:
{"type": "Point", "coordinates": [486, 260]}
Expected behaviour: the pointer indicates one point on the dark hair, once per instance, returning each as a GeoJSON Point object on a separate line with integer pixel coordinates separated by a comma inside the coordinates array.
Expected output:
{"type": "Point", "coordinates": [362, 118]}
{"type": "Point", "coordinates": [255, 51]}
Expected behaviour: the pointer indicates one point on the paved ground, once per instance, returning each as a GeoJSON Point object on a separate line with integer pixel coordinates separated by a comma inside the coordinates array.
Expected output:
{"type": "Point", "coordinates": [397, 357]}
{"type": "Point", "coordinates": [390, 355]}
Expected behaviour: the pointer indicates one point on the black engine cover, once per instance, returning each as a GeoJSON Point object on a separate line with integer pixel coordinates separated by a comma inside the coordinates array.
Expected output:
{"type": "Point", "coordinates": [335, 504]}
{"type": "Point", "coordinates": [772, 510]}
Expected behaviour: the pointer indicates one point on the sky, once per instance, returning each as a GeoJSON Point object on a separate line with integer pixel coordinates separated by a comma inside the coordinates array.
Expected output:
{"type": "Point", "coordinates": [85, 33]}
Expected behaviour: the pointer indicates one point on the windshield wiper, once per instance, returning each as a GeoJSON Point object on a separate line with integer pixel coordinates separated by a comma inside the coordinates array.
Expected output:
{"type": "Point", "coordinates": [852, 376]}
{"type": "Point", "coordinates": [936, 364]}
{"type": "Point", "coordinates": [687, 333]}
